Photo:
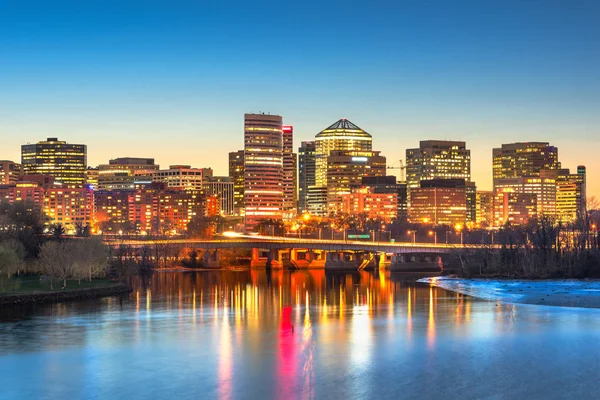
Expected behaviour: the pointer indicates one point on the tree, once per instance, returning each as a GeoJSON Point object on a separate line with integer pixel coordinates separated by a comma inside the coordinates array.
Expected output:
{"type": "Point", "coordinates": [57, 230]}
{"type": "Point", "coordinates": [91, 258]}
{"type": "Point", "coordinates": [56, 261]}
{"type": "Point", "coordinates": [12, 257]}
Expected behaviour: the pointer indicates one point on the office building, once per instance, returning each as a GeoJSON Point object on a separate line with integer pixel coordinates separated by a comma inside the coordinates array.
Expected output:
{"type": "Point", "coordinates": [125, 173]}
{"type": "Point", "coordinates": [570, 193]}
{"type": "Point", "coordinates": [91, 177]}
{"type": "Point", "coordinates": [543, 187]}
{"type": "Point", "coordinates": [513, 208]}
{"type": "Point", "coordinates": [263, 169]}
{"type": "Point", "coordinates": [346, 169]}
{"type": "Point", "coordinates": [66, 162]}
{"type": "Point", "coordinates": [522, 160]}
{"type": "Point", "coordinates": [222, 188]}
{"type": "Point", "coordinates": [343, 135]}
{"type": "Point", "coordinates": [306, 173]}
{"type": "Point", "coordinates": [183, 176]}
{"type": "Point", "coordinates": [290, 172]}
{"type": "Point", "coordinates": [9, 172]}
{"type": "Point", "coordinates": [441, 159]}
{"type": "Point", "coordinates": [382, 206]}
{"type": "Point", "coordinates": [439, 202]}
{"type": "Point", "coordinates": [485, 208]}
{"type": "Point", "coordinates": [437, 159]}
{"type": "Point", "coordinates": [387, 185]}
{"type": "Point", "coordinates": [236, 173]}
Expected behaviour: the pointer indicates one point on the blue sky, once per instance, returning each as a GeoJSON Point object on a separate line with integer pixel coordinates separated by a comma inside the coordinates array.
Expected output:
{"type": "Point", "coordinates": [171, 80]}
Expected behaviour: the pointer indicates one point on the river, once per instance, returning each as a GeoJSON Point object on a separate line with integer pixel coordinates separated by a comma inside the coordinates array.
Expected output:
{"type": "Point", "coordinates": [254, 335]}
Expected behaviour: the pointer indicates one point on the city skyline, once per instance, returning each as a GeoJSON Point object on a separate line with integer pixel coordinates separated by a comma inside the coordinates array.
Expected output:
{"type": "Point", "coordinates": [132, 74]}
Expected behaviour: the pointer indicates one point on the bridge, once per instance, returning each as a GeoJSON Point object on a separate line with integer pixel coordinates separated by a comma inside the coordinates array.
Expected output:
{"type": "Point", "coordinates": [295, 253]}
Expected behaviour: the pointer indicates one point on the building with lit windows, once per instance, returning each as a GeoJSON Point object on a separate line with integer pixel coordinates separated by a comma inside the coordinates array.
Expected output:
{"type": "Point", "coordinates": [386, 185]}
{"type": "Point", "coordinates": [183, 176]}
{"type": "Point", "coordinates": [125, 173]}
{"type": "Point", "coordinates": [66, 162]}
{"type": "Point", "coordinates": [570, 193]}
{"type": "Point", "coordinates": [9, 172]}
{"type": "Point", "coordinates": [290, 172]}
{"type": "Point", "coordinates": [513, 208]}
{"type": "Point", "coordinates": [346, 169]}
{"type": "Point", "coordinates": [521, 160]}
{"type": "Point", "coordinates": [439, 202]}
{"type": "Point", "coordinates": [236, 173]}
{"type": "Point", "coordinates": [70, 207]}
{"type": "Point", "coordinates": [263, 168]}
{"type": "Point", "coordinates": [306, 172]}
{"type": "Point", "coordinates": [485, 208]}
{"type": "Point", "coordinates": [343, 135]}
{"type": "Point", "coordinates": [222, 188]}
{"type": "Point", "coordinates": [544, 188]}
{"type": "Point", "coordinates": [382, 206]}
{"type": "Point", "coordinates": [64, 205]}
{"type": "Point", "coordinates": [91, 177]}
{"type": "Point", "coordinates": [441, 159]}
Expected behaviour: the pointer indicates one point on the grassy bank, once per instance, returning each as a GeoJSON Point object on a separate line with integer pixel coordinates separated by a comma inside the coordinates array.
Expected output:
{"type": "Point", "coordinates": [32, 289]}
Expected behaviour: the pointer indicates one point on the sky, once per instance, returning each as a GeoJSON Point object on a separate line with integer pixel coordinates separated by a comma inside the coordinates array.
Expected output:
{"type": "Point", "coordinates": [172, 79]}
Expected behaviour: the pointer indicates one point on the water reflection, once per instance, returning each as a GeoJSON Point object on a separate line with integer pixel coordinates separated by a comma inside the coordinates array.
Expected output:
{"type": "Point", "coordinates": [308, 334]}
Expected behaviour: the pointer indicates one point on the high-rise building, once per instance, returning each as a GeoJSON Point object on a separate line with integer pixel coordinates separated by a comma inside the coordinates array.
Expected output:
{"type": "Point", "coordinates": [124, 173]}
{"type": "Point", "coordinates": [183, 176]}
{"type": "Point", "coordinates": [512, 207]}
{"type": "Point", "coordinates": [543, 187]}
{"type": "Point", "coordinates": [306, 172]}
{"type": "Point", "coordinates": [364, 200]}
{"type": "Point", "coordinates": [437, 159]}
{"type": "Point", "coordinates": [570, 193]}
{"type": "Point", "coordinates": [387, 185]}
{"type": "Point", "coordinates": [346, 169]}
{"type": "Point", "coordinates": [91, 177]}
{"type": "Point", "coordinates": [290, 171]}
{"type": "Point", "coordinates": [9, 172]}
{"type": "Point", "coordinates": [485, 208]}
{"type": "Point", "coordinates": [439, 202]}
{"type": "Point", "coordinates": [343, 135]}
{"type": "Point", "coordinates": [441, 159]}
{"type": "Point", "coordinates": [236, 173]}
{"type": "Point", "coordinates": [263, 168]}
{"type": "Point", "coordinates": [523, 160]}
{"type": "Point", "coordinates": [222, 188]}
{"type": "Point", "coordinates": [66, 162]}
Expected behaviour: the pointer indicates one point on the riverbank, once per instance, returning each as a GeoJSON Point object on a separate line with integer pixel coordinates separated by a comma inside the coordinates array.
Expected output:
{"type": "Point", "coordinates": [563, 293]}
{"type": "Point", "coordinates": [55, 296]}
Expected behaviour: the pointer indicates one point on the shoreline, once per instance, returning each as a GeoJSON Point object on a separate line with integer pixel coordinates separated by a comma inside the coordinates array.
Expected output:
{"type": "Point", "coordinates": [549, 292]}
{"type": "Point", "coordinates": [67, 295]}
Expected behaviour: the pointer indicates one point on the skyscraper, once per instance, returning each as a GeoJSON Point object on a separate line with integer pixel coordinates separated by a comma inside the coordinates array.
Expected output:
{"type": "Point", "coordinates": [263, 168]}
{"type": "Point", "coordinates": [222, 187]}
{"type": "Point", "coordinates": [236, 173]}
{"type": "Point", "coordinates": [438, 160]}
{"type": "Point", "coordinates": [306, 173]}
{"type": "Point", "coordinates": [346, 169]}
{"type": "Point", "coordinates": [343, 135]}
{"type": "Point", "coordinates": [290, 171]}
{"type": "Point", "coordinates": [66, 162]}
{"type": "Point", "coordinates": [523, 160]}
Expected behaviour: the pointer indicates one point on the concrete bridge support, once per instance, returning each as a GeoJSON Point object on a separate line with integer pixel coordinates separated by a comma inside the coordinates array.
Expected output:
{"type": "Point", "coordinates": [211, 259]}
{"type": "Point", "coordinates": [416, 262]}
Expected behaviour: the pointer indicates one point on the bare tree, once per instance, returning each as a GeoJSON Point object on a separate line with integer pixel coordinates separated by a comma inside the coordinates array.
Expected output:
{"type": "Point", "coordinates": [56, 261]}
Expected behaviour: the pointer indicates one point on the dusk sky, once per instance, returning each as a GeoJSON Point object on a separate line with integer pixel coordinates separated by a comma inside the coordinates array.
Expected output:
{"type": "Point", "coordinates": [172, 80]}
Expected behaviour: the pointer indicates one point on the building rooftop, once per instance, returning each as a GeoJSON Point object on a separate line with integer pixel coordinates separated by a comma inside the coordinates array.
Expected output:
{"type": "Point", "coordinates": [343, 127]}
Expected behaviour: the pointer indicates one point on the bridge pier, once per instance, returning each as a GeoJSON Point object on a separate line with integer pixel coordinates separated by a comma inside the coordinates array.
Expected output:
{"type": "Point", "coordinates": [211, 259]}
{"type": "Point", "coordinates": [416, 262]}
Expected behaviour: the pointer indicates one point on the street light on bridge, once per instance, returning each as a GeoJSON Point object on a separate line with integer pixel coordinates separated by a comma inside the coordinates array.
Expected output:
{"type": "Point", "coordinates": [414, 233]}
{"type": "Point", "coordinates": [434, 234]}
